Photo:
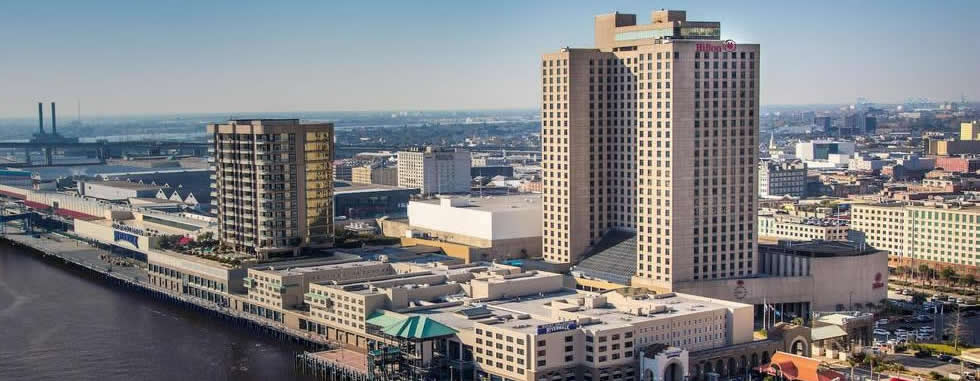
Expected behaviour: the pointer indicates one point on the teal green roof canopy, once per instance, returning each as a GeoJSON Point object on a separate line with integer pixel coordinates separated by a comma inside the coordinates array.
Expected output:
{"type": "Point", "coordinates": [418, 327]}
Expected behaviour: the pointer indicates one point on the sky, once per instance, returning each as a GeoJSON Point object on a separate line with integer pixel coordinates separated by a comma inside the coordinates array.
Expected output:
{"type": "Point", "coordinates": [161, 57]}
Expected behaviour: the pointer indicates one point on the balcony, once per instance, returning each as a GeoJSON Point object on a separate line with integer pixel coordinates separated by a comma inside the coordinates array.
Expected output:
{"type": "Point", "coordinates": [313, 297]}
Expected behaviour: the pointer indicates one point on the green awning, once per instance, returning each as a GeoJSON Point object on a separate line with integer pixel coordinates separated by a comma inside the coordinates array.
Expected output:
{"type": "Point", "coordinates": [418, 327]}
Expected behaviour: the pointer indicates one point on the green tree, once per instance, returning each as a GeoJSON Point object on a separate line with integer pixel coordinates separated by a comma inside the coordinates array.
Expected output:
{"type": "Point", "coordinates": [797, 321]}
{"type": "Point", "coordinates": [924, 271]}
{"type": "Point", "coordinates": [918, 298]}
{"type": "Point", "coordinates": [968, 280]}
{"type": "Point", "coordinates": [948, 274]}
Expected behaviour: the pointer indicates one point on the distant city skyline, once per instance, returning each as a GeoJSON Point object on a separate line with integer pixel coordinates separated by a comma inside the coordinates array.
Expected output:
{"type": "Point", "coordinates": [134, 58]}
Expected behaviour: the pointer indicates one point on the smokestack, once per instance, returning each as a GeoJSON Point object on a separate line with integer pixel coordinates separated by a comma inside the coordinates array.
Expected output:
{"type": "Point", "coordinates": [40, 116]}
{"type": "Point", "coordinates": [54, 121]}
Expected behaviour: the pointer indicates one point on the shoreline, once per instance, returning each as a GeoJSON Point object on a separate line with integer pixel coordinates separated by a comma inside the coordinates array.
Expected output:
{"type": "Point", "coordinates": [133, 284]}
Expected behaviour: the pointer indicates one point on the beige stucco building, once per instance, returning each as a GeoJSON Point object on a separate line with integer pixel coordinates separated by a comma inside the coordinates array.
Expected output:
{"type": "Point", "coordinates": [273, 184]}
{"type": "Point", "coordinates": [653, 131]}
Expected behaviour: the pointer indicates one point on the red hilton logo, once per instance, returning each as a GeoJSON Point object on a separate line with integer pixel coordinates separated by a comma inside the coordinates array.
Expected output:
{"type": "Point", "coordinates": [878, 283]}
{"type": "Point", "coordinates": [726, 46]}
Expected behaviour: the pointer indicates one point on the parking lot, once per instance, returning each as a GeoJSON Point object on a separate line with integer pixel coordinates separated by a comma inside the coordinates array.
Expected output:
{"type": "Point", "coordinates": [940, 323]}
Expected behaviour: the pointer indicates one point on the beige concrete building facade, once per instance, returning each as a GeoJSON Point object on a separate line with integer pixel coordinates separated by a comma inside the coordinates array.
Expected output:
{"type": "Point", "coordinates": [970, 130]}
{"type": "Point", "coordinates": [435, 170]}
{"type": "Point", "coordinates": [373, 174]}
{"type": "Point", "coordinates": [653, 131]}
{"type": "Point", "coordinates": [273, 184]}
{"type": "Point", "coordinates": [785, 226]}
{"type": "Point", "coordinates": [932, 233]}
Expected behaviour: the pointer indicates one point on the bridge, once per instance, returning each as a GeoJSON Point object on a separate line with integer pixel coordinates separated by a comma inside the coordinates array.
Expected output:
{"type": "Point", "coordinates": [349, 150]}
{"type": "Point", "coordinates": [104, 150]}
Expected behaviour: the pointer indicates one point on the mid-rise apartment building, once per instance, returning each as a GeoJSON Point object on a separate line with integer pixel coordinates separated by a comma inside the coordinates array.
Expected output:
{"type": "Point", "coordinates": [933, 233]}
{"type": "Point", "coordinates": [272, 184]}
{"type": "Point", "coordinates": [653, 131]}
{"type": "Point", "coordinates": [435, 170]}
{"type": "Point", "coordinates": [970, 130]}
{"type": "Point", "coordinates": [782, 178]}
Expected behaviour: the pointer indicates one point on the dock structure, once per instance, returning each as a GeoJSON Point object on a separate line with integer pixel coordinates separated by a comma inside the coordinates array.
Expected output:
{"type": "Point", "coordinates": [335, 365]}
{"type": "Point", "coordinates": [67, 251]}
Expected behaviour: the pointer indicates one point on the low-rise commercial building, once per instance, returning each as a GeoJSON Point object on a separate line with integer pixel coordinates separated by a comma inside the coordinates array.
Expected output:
{"type": "Point", "coordinates": [802, 276]}
{"type": "Point", "coordinates": [778, 225]}
{"type": "Point", "coordinates": [194, 276]}
{"type": "Point", "coordinates": [495, 228]}
{"type": "Point", "coordinates": [137, 231]}
{"type": "Point", "coordinates": [958, 163]}
{"type": "Point", "coordinates": [110, 190]}
{"type": "Point", "coordinates": [282, 285]}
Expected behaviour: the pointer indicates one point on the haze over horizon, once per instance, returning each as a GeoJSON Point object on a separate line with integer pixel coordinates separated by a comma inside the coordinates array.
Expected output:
{"type": "Point", "coordinates": [123, 58]}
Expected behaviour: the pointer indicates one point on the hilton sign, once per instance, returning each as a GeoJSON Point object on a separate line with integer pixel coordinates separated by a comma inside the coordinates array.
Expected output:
{"type": "Point", "coordinates": [726, 46]}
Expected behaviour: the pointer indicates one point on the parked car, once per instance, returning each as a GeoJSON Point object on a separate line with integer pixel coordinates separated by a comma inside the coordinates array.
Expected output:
{"type": "Point", "coordinates": [944, 357]}
{"type": "Point", "coordinates": [882, 321]}
{"type": "Point", "coordinates": [882, 332]}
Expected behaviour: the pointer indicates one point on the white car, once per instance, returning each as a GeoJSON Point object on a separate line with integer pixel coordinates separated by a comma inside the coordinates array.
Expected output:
{"type": "Point", "coordinates": [901, 331]}
{"type": "Point", "coordinates": [882, 321]}
{"type": "Point", "coordinates": [882, 332]}
{"type": "Point", "coordinates": [926, 328]}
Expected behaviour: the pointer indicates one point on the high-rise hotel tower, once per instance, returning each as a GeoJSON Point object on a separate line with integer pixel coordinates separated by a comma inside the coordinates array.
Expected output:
{"type": "Point", "coordinates": [273, 185]}
{"type": "Point", "coordinates": [653, 131]}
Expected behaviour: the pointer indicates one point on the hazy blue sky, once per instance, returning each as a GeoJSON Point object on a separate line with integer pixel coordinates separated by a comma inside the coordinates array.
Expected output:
{"type": "Point", "coordinates": [124, 57]}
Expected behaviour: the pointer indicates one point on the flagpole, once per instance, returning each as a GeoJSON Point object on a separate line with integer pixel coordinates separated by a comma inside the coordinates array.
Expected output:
{"type": "Point", "coordinates": [765, 314]}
